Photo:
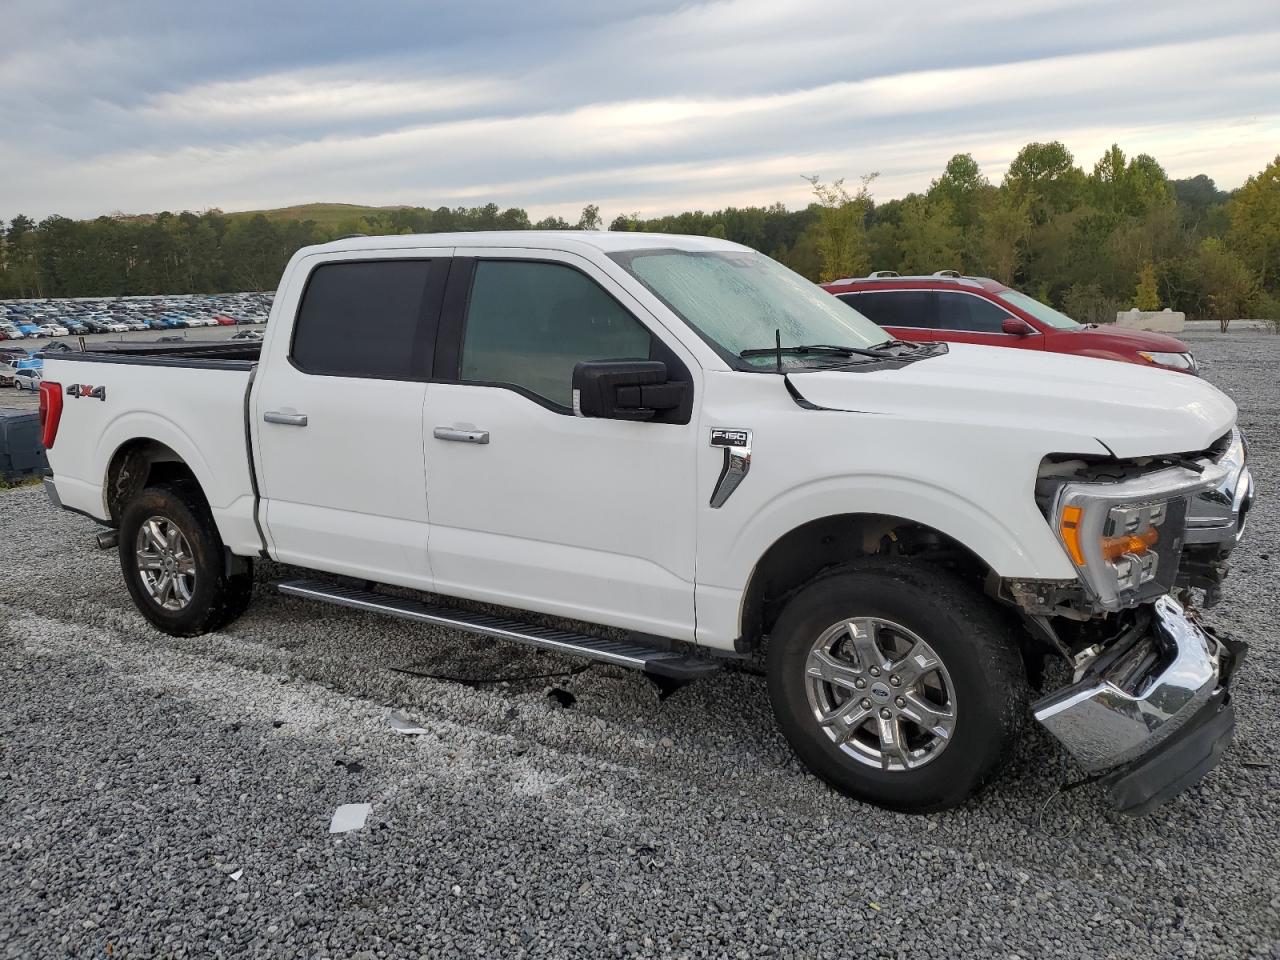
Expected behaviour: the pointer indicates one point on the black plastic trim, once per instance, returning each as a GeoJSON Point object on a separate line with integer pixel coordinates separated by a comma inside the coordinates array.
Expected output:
{"type": "Point", "coordinates": [147, 360]}
{"type": "Point", "coordinates": [253, 469]}
{"type": "Point", "coordinates": [453, 313]}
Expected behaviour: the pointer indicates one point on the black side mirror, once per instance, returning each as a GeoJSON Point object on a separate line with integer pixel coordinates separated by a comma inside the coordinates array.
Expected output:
{"type": "Point", "coordinates": [1016, 327]}
{"type": "Point", "coordinates": [625, 389]}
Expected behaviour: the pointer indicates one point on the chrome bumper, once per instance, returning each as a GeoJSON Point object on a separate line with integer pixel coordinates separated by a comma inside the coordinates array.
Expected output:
{"type": "Point", "coordinates": [1139, 694]}
{"type": "Point", "coordinates": [1217, 515]}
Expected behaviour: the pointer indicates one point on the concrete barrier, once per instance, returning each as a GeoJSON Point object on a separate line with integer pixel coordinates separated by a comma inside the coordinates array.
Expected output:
{"type": "Point", "coordinates": [1160, 321]}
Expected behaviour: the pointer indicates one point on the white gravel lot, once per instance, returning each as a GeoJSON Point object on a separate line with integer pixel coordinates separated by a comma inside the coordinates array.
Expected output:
{"type": "Point", "coordinates": [172, 798]}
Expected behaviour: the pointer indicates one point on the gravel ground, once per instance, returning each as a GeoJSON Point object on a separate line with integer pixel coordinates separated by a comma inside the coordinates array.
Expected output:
{"type": "Point", "coordinates": [166, 797]}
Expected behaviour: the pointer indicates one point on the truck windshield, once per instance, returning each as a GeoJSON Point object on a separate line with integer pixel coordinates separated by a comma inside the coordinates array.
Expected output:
{"type": "Point", "coordinates": [740, 299]}
{"type": "Point", "coordinates": [1041, 311]}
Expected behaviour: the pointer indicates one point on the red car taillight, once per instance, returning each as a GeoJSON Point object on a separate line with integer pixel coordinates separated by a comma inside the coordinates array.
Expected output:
{"type": "Point", "coordinates": [50, 411]}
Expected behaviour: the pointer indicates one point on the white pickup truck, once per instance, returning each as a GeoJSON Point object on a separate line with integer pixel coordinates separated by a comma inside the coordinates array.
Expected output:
{"type": "Point", "coordinates": [681, 440]}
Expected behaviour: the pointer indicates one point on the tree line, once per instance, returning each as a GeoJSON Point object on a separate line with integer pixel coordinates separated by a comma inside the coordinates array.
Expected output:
{"type": "Point", "coordinates": [1117, 236]}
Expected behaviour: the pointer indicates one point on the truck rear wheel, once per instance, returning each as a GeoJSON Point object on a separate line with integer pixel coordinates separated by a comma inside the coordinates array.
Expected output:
{"type": "Point", "coordinates": [174, 563]}
{"type": "Point", "coordinates": [897, 684]}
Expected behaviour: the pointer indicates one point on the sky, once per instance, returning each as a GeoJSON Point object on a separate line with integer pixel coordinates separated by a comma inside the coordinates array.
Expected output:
{"type": "Point", "coordinates": [639, 106]}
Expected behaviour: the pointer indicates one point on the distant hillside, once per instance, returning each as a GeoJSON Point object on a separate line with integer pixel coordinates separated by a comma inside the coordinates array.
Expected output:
{"type": "Point", "coordinates": [324, 214]}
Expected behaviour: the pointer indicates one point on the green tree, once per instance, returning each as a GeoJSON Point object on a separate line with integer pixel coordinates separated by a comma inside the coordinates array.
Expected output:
{"type": "Point", "coordinates": [1147, 296]}
{"type": "Point", "coordinates": [1201, 205]}
{"type": "Point", "coordinates": [1230, 286]}
{"type": "Point", "coordinates": [1129, 188]}
{"type": "Point", "coordinates": [842, 233]}
{"type": "Point", "coordinates": [1044, 177]}
{"type": "Point", "coordinates": [961, 186]}
{"type": "Point", "coordinates": [590, 219]}
{"type": "Point", "coordinates": [927, 237]}
{"type": "Point", "coordinates": [1255, 224]}
{"type": "Point", "coordinates": [553, 223]}
{"type": "Point", "coordinates": [1006, 225]}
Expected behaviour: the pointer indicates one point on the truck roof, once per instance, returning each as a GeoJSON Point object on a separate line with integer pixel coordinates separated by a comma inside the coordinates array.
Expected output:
{"type": "Point", "coordinates": [608, 241]}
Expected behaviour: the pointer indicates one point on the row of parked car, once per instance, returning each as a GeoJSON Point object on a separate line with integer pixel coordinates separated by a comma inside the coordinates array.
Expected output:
{"type": "Point", "coordinates": [23, 319]}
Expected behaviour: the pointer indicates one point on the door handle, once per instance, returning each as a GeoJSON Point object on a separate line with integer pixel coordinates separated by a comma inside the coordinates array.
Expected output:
{"type": "Point", "coordinates": [462, 436]}
{"type": "Point", "coordinates": [288, 419]}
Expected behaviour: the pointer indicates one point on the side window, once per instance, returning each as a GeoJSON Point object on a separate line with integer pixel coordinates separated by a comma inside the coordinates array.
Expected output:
{"type": "Point", "coordinates": [370, 318]}
{"type": "Point", "coordinates": [899, 308]}
{"type": "Point", "coordinates": [529, 324]}
{"type": "Point", "coordinates": [963, 311]}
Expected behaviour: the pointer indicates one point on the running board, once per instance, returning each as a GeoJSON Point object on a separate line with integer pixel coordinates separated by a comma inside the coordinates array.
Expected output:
{"type": "Point", "coordinates": [656, 662]}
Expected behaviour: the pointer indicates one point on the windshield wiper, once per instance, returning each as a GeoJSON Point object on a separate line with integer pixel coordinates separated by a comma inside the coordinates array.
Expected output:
{"type": "Point", "coordinates": [878, 352]}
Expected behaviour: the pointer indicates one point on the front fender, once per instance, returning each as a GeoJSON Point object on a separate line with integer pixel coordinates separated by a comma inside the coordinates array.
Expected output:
{"type": "Point", "coordinates": [1016, 542]}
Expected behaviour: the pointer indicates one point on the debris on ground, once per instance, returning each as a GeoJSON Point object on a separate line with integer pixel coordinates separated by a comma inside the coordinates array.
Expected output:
{"type": "Point", "coordinates": [350, 816]}
{"type": "Point", "coordinates": [401, 724]}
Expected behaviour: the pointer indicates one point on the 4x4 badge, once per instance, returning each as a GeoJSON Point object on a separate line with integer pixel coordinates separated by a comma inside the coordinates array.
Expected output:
{"type": "Point", "coordinates": [87, 390]}
{"type": "Point", "coordinates": [737, 461]}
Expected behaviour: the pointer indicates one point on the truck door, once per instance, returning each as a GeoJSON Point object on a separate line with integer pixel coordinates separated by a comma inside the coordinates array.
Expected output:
{"type": "Point", "coordinates": [337, 414]}
{"type": "Point", "coordinates": [532, 506]}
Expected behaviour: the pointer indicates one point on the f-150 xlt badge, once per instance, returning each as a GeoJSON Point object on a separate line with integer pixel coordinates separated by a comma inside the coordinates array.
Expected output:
{"type": "Point", "coordinates": [737, 461]}
{"type": "Point", "coordinates": [721, 437]}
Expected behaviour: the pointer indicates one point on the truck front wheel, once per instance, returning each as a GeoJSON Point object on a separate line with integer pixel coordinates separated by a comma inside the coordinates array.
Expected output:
{"type": "Point", "coordinates": [174, 563]}
{"type": "Point", "coordinates": [897, 683]}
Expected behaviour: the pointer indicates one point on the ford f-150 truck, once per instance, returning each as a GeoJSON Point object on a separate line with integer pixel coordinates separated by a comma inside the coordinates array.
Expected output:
{"type": "Point", "coordinates": [679, 439]}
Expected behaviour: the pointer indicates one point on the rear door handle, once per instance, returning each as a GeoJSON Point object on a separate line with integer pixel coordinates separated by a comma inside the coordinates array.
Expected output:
{"type": "Point", "coordinates": [462, 436]}
{"type": "Point", "coordinates": [288, 419]}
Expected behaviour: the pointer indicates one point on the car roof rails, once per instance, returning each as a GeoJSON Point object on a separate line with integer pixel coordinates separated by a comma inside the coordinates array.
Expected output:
{"type": "Point", "coordinates": [947, 273]}
{"type": "Point", "coordinates": [352, 236]}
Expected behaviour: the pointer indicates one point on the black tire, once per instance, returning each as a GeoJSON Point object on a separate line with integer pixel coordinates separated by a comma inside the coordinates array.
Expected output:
{"type": "Point", "coordinates": [217, 597]}
{"type": "Point", "coordinates": [975, 645]}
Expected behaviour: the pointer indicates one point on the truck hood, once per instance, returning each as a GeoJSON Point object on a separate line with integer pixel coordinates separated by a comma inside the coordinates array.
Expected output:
{"type": "Point", "coordinates": [1135, 411]}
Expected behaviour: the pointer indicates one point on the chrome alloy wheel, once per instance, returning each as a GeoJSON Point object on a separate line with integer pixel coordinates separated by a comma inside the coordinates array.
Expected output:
{"type": "Point", "coordinates": [880, 693]}
{"type": "Point", "coordinates": [166, 564]}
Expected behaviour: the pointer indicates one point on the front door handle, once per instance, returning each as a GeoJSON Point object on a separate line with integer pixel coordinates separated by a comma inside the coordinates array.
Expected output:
{"type": "Point", "coordinates": [288, 419]}
{"type": "Point", "coordinates": [462, 436]}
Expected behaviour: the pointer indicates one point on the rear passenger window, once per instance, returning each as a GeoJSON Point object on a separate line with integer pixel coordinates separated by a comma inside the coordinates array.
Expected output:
{"type": "Point", "coordinates": [964, 311]}
{"type": "Point", "coordinates": [529, 324]}
{"type": "Point", "coordinates": [372, 318]}
{"type": "Point", "coordinates": [899, 308]}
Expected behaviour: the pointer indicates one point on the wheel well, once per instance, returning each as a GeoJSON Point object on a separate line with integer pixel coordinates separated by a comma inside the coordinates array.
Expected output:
{"type": "Point", "coordinates": [819, 545]}
{"type": "Point", "coordinates": [139, 464]}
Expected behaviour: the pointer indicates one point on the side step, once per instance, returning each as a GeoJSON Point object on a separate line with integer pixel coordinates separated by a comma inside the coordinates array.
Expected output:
{"type": "Point", "coordinates": [667, 664]}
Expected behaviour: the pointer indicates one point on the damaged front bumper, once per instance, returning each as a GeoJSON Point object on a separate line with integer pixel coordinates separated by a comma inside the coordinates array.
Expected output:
{"type": "Point", "coordinates": [1152, 711]}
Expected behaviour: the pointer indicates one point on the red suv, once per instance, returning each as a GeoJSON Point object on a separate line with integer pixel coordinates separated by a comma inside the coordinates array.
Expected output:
{"type": "Point", "coordinates": [947, 306]}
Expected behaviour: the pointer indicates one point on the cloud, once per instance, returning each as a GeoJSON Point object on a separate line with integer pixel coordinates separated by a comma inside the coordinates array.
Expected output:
{"type": "Point", "coordinates": [310, 97]}
{"type": "Point", "coordinates": [641, 106]}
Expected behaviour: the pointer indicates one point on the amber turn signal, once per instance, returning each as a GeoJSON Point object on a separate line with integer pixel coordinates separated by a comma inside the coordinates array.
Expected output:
{"type": "Point", "coordinates": [1069, 527]}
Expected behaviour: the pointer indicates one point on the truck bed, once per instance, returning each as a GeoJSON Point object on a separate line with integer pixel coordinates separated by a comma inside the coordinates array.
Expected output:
{"type": "Point", "coordinates": [190, 397]}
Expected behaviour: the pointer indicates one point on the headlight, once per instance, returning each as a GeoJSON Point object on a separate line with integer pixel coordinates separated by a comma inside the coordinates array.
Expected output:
{"type": "Point", "coordinates": [1174, 361]}
{"type": "Point", "coordinates": [1125, 539]}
